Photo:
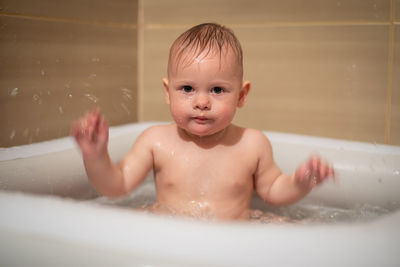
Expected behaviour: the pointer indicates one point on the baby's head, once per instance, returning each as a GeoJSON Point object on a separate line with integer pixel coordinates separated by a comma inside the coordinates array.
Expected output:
{"type": "Point", "coordinates": [205, 79]}
{"type": "Point", "coordinates": [208, 39]}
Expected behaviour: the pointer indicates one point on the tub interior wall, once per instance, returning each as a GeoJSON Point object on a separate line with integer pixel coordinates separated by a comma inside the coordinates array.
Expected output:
{"type": "Point", "coordinates": [325, 68]}
{"type": "Point", "coordinates": [368, 174]}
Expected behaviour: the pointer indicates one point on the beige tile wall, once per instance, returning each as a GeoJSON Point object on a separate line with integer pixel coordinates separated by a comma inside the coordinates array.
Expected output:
{"type": "Point", "coordinates": [320, 67]}
{"type": "Point", "coordinates": [317, 67]}
{"type": "Point", "coordinates": [396, 10]}
{"type": "Point", "coordinates": [59, 59]}
{"type": "Point", "coordinates": [395, 99]}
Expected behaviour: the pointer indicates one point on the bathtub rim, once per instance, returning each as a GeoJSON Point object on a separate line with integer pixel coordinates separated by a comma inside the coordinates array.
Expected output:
{"type": "Point", "coordinates": [384, 230]}
{"type": "Point", "coordinates": [190, 240]}
{"type": "Point", "coordinates": [65, 143]}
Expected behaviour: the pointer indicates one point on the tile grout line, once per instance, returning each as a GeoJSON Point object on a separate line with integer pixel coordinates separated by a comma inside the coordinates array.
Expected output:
{"type": "Point", "coordinates": [73, 21]}
{"type": "Point", "coordinates": [184, 25]}
{"type": "Point", "coordinates": [151, 26]}
{"type": "Point", "coordinates": [388, 114]}
{"type": "Point", "coordinates": [140, 59]}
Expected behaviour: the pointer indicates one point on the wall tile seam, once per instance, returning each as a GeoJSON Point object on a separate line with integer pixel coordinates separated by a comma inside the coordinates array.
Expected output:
{"type": "Point", "coordinates": [388, 115]}
{"type": "Point", "coordinates": [153, 26]}
{"type": "Point", "coordinates": [72, 21]}
{"type": "Point", "coordinates": [391, 44]}
{"type": "Point", "coordinates": [140, 60]}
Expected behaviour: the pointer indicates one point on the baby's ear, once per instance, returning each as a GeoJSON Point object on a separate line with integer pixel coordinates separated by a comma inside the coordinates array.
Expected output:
{"type": "Point", "coordinates": [166, 90]}
{"type": "Point", "coordinates": [246, 86]}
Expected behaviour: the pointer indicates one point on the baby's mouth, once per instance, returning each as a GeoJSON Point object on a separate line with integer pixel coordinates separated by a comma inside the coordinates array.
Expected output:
{"type": "Point", "coordinates": [201, 119]}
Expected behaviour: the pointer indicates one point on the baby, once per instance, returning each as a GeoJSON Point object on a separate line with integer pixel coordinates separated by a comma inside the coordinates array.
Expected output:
{"type": "Point", "coordinates": [203, 164]}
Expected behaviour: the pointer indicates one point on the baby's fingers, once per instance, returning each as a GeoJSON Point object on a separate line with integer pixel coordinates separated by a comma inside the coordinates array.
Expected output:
{"type": "Point", "coordinates": [332, 174]}
{"type": "Point", "coordinates": [315, 164]}
{"type": "Point", "coordinates": [76, 130]}
{"type": "Point", "coordinates": [92, 126]}
{"type": "Point", "coordinates": [302, 174]}
{"type": "Point", "coordinates": [323, 169]}
{"type": "Point", "coordinates": [314, 169]}
{"type": "Point", "coordinates": [102, 130]}
{"type": "Point", "coordinates": [320, 169]}
{"type": "Point", "coordinates": [305, 175]}
{"type": "Point", "coordinates": [85, 127]}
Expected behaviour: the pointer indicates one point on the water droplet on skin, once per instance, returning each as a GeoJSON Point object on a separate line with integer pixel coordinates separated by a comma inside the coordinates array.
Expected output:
{"type": "Point", "coordinates": [60, 109]}
{"type": "Point", "coordinates": [70, 95]}
{"type": "Point", "coordinates": [14, 92]}
{"type": "Point", "coordinates": [42, 72]}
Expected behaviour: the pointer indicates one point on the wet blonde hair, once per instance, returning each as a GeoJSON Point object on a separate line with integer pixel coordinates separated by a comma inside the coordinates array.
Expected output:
{"type": "Point", "coordinates": [204, 38]}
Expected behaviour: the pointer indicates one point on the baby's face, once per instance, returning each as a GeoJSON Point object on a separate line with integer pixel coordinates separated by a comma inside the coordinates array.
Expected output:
{"type": "Point", "coordinates": [203, 96]}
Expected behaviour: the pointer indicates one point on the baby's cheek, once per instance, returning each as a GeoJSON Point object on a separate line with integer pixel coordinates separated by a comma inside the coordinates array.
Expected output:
{"type": "Point", "coordinates": [178, 113]}
{"type": "Point", "coordinates": [226, 113]}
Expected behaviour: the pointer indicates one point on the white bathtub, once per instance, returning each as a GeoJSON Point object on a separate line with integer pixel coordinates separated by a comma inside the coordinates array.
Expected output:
{"type": "Point", "coordinates": [45, 220]}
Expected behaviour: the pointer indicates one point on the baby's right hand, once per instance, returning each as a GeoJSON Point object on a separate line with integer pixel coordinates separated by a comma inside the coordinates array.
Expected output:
{"type": "Point", "coordinates": [91, 134]}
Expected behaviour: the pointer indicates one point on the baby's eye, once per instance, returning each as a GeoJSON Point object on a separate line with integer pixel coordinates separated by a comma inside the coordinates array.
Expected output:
{"type": "Point", "coordinates": [187, 88]}
{"type": "Point", "coordinates": [218, 90]}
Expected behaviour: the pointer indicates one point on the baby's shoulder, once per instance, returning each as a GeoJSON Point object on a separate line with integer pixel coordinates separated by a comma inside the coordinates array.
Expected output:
{"type": "Point", "coordinates": [158, 131]}
{"type": "Point", "coordinates": [255, 135]}
{"type": "Point", "coordinates": [255, 139]}
{"type": "Point", "coordinates": [151, 138]}
{"type": "Point", "coordinates": [154, 134]}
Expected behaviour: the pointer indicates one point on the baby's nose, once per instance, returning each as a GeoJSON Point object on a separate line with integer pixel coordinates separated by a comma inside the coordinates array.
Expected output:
{"type": "Point", "coordinates": [202, 102]}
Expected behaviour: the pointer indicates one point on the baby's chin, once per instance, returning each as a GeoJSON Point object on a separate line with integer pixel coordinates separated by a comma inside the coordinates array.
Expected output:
{"type": "Point", "coordinates": [203, 132]}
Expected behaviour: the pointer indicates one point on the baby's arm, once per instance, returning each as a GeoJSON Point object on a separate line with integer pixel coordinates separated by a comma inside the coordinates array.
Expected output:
{"type": "Point", "coordinates": [113, 180]}
{"type": "Point", "coordinates": [282, 189]}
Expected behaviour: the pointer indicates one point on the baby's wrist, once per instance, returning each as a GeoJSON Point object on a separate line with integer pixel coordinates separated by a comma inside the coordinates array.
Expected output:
{"type": "Point", "coordinates": [302, 182]}
{"type": "Point", "coordinates": [95, 156]}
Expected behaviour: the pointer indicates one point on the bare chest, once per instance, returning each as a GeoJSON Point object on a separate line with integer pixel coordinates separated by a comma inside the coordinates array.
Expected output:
{"type": "Point", "coordinates": [196, 171]}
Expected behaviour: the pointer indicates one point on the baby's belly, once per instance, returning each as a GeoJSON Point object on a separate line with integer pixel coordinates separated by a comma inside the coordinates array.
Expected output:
{"type": "Point", "coordinates": [202, 209]}
{"type": "Point", "coordinates": [224, 197]}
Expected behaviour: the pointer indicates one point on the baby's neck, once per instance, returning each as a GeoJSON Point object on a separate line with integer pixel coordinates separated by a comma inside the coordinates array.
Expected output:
{"type": "Point", "coordinates": [207, 141]}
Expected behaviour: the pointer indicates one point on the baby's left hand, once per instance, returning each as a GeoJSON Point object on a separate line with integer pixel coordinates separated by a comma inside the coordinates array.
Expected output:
{"type": "Point", "coordinates": [313, 172]}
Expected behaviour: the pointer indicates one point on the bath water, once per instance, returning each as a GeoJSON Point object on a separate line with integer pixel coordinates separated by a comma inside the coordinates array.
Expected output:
{"type": "Point", "coordinates": [318, 213]}
{"type": "Point", "coordinates": [299, 213]}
